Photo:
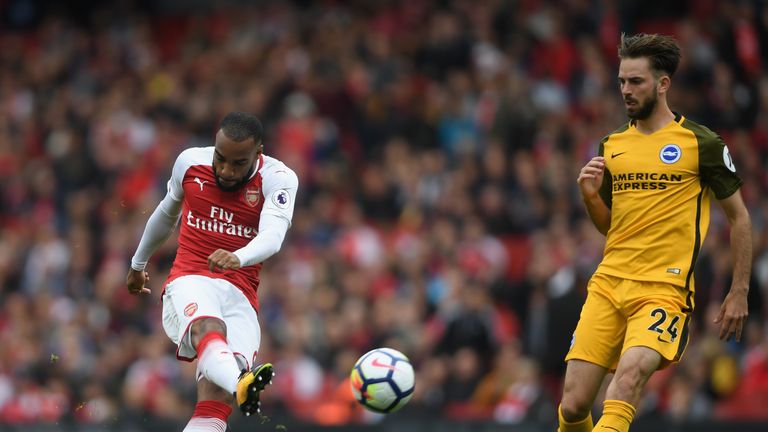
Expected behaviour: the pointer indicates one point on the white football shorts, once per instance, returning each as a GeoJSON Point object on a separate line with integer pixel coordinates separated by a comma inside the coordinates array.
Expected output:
{"type": "Point", "coordinates": [189, 298]}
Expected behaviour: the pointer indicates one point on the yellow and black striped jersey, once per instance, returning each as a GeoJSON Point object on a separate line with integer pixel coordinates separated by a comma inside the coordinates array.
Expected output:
{"type": "Point", "coordinates": [658, 189]}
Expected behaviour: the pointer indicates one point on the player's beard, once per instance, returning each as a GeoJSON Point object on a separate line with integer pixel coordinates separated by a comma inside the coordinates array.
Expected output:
{"type": "Point", "coordinates": [237, 185]}
{"type": "Point", "coordinates": [644, 110]}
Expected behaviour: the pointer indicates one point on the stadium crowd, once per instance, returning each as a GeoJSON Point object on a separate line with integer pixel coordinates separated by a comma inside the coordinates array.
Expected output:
{"type": "Point", "coordinates": [437, 145]}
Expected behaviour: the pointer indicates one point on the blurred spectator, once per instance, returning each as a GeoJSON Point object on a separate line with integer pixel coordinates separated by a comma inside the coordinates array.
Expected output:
{"type": "Point", "coordinates": [438, 144]}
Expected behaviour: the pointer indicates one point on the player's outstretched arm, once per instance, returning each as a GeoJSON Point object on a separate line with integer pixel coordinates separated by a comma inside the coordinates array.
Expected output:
{"type": "Point", "coordinates": [159, 227]}
{"type": "Point", "coordinates": [733, 311]}
{"type": "Point", "coordinates": [590, 179]}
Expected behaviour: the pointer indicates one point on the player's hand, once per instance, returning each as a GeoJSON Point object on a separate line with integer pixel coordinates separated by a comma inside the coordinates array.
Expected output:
{"type": "Point", "coordinates": [223, 260]}
{"type": "Point", "coordinates": [591, 177]}
{"type": "Point", "coordinates": [733, 313]}
{"type": "Point", "coordinates": [137, 282]}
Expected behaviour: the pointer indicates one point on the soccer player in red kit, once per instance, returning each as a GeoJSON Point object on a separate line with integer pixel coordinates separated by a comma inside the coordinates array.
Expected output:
{"type": "Point", "coordinates": [234, 206]}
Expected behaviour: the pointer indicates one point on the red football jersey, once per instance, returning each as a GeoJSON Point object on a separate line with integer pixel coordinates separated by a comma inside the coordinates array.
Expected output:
{"type": "Point", "coordinates": [215, 219]}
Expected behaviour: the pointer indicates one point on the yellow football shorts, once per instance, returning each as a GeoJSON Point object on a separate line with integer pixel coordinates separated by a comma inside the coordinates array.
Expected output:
{"type": "Point", "coordinates": [622, 313]}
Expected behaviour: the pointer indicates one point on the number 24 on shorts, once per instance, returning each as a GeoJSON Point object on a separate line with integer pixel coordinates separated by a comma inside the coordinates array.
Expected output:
{"type": "Point", "coordinates": [660, 315]}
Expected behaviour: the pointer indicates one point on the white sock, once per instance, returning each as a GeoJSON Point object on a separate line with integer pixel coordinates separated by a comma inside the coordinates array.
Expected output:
{"type": "Point", "coordinates": [217, 363]}
{"type": "Point", "coordinates": [205, 424]}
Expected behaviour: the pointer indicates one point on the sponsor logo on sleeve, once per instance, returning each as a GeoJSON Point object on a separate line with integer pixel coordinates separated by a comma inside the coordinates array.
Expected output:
{"type": "Point", "coordinates": [281, 199]}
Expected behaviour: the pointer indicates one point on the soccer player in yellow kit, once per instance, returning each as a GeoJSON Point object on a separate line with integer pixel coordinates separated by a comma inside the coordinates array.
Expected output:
{"type": "Point", "coordinates": [648, 191]}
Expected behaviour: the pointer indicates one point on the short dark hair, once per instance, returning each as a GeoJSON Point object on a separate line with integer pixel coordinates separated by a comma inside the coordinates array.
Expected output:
{"type": "Point", "coordinates": [240, 126]}
{"type": "Point", "coordinates": [662, 51]}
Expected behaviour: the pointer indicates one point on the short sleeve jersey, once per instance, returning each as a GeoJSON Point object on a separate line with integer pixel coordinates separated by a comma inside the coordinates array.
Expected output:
{"type": "Point", "coordinates": [214, 219]}
{"type": "Point", "coordinates": [658, 188]}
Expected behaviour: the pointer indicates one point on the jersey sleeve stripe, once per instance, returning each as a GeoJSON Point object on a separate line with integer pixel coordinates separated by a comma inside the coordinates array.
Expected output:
{"type": "Point", "coordinates": [684, 334]}
{"type": "Point", "coordinates": [697, 240]}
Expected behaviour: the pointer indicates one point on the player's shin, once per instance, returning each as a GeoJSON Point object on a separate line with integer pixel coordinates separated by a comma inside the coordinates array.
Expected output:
{"type": "Point", "coordinates": [216, 361]}
{"type": "Point", "coordinates": [584, 425]}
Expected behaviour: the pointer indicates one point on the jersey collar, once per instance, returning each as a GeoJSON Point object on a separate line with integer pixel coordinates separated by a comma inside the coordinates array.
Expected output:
{"type": "Point", "coordinates": [678, 119]}
{"type": "Point", "coordinates": [259, 164]}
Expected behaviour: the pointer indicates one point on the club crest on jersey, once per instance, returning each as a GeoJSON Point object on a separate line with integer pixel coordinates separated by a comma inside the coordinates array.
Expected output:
{"type": "Point", "coordinates": [190, 309]}
{"type": "Point", "coordinates": [252, 196]}
{"type": "Point", "coordinates": [670, 153]}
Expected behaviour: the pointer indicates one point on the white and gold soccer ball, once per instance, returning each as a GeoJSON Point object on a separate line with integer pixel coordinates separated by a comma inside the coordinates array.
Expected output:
{"type": "Point", "coordinates": [383, 380]}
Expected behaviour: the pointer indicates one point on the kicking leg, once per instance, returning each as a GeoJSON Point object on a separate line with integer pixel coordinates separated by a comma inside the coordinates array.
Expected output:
{"type": "Point", "coordinates": [216, 362]}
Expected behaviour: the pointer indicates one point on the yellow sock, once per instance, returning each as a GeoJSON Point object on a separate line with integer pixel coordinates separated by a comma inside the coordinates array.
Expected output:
{"type": "Point", "coordinates": [578, 426]}
{"type": "Point", "coordinates": [617, 416]}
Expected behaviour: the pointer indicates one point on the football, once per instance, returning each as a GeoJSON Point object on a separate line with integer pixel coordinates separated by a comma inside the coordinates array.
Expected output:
{"type": "Point", "coordinates": [383, 380]}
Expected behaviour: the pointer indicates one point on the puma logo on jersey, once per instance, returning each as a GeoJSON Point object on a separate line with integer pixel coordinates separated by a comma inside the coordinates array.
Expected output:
{"type": "Point", "coordinates": [201, 183]}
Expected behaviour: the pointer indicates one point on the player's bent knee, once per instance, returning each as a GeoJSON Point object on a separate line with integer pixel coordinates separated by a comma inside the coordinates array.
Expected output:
{"type": "Point", "coordinates": [202, 326]}
{"type": "Point", "coordinates": [574, 409]}
{"type": "Point", "coordinates": [207, 390]}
